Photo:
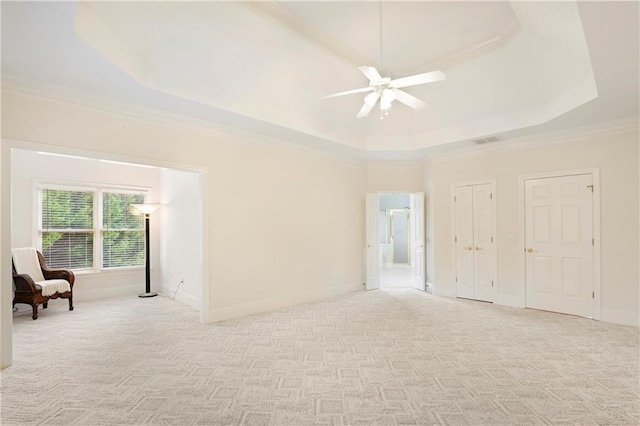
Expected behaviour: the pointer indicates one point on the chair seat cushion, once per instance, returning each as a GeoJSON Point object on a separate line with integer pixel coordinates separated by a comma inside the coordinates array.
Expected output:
{"type": "Point", "coordinates": [51, 287]}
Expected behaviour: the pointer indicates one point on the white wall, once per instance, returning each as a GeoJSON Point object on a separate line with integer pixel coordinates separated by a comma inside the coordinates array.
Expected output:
{"type": "Point", "coordinates": [282, 225]}
{"type": "Point", "coordinates": [286, 227]}
{"type": "Point", "coordinates": [616, 156]}
{"type": "Point", "coordinates": [392, 177]}
{"type": "Point", "coordinates": [29, 167]}
{"type": "Point", "coordinates": [181, 236]}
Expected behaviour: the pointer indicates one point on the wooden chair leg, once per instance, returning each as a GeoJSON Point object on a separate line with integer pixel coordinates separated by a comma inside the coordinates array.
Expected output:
{"type": "Point", "coordinates": [71, 303]}
{"type": "Point", "coordinates": [44, 305]}
{"type": "Point", "coordinates": [34, 309]}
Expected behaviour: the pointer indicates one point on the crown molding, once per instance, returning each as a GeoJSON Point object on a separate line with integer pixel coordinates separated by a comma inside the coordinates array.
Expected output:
{"type": "Point", "coordinates": [542, 139]}
{"type": "Point", "coordinates": [280, 15]}
{"type": "Point", "coordinates": [284, 18]}
{"type": "Point", "coordinates": [355, 157]}
{"type": "Point", "coordinates": [394, 165]}
{"type": "Point", "coordinates": [63, 95]}
{"type": "Point", "coordinates": [473, 51]}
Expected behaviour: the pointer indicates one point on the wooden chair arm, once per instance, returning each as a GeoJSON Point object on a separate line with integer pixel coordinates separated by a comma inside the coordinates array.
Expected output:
{"type": "Point", "coordinates": [59, 274]}
{"type": "Point", "coordinates": [55, 274]}
{"type": "Point", "coordinates": [24, 283]}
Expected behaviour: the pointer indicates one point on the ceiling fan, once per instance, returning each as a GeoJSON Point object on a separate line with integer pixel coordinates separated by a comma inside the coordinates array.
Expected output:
{"type": "Point", "coordinates": [388, 90]}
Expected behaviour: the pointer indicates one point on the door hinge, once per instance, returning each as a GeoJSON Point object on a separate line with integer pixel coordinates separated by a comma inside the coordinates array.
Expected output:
{"type": "Point", "coordinates": [590, 186]}
{"type": "Point", "coordinates": [491, 196]}
{"type": "Point", "coordinates": [456, 279]}
{"type": "Point", "coordinates": [455, 199]}
{"type": "Point", "coordinates": [491, 239]}
{"type": "Point", "coordinates": [456, 240]}
{"type": "Point", "coordinates": [491, 283]}
{"type": "Point", "coordinates": [593, 241]}
{"type": "Point", "coordinates": [593, 294]}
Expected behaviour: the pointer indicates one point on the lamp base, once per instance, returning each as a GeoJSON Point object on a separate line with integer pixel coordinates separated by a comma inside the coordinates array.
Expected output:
{"type": "Point", "coordinates": [147, 294]}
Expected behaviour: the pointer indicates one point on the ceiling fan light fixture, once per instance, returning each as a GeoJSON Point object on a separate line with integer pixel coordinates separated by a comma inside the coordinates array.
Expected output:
{"type": "Point", "coordinates": [388, 90]}
{"type": "Point", "coordinates": [386, 98]}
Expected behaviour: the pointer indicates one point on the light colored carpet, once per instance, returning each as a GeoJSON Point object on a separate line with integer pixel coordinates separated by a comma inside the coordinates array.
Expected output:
{"type": "Point", "coordinates": [398, 357]}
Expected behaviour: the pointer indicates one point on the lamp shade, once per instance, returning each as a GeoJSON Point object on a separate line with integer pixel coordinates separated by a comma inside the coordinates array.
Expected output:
{"type": "Point", "coordinates": [146, 208]}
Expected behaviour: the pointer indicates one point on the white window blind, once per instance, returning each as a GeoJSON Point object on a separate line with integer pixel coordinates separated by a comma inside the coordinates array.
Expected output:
{"type": "Point", "coordinates": [67, 228]}
{"type": "Point", "coordinates": [122, 232]}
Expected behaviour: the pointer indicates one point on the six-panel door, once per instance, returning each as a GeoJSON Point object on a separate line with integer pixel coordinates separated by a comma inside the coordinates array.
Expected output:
{"type": "Point", "coordinates": [559, 244]}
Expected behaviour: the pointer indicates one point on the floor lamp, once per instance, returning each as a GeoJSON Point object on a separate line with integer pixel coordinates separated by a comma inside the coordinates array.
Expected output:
{"type": "Point", "coordinates": [147, 209]}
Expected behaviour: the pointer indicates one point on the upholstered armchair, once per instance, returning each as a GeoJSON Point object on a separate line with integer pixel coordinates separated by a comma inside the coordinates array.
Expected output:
{"type": "Point", "coordinates": [35, 284]}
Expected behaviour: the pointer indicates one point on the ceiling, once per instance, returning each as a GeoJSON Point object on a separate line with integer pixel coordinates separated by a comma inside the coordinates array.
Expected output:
{"type": "Point", "coordinates": [513, 68]}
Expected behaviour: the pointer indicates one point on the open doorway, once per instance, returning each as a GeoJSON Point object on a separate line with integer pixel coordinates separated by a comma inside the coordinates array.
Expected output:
{"type": "Point", "coordinates": [395, 244]}
{"type": "Point", "coordinates": [178, 261]}
{"type": "Point", "coordinates": [395, 241]}
{"type": "Point", "coordinates": [176, 228]}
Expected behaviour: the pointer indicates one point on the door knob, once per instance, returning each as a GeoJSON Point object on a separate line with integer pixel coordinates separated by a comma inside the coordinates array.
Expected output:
{"type": "Point", "coordinates": [469, 248]}
{"type": "Point", "coordinates": [530, 250]}
{"type": "Point", "coordinates": [478, 248]}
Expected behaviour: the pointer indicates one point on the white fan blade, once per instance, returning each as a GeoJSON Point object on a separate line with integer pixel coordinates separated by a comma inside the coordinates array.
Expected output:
{"type": "Point", "coordinates": [414, 80]}
{"type": "Point", "coordinates": [369, 102]}
{"type": "Point", "coordinates": [349, 92]}
{"type": "Point", "coordinates": [410, 100]}
{"type": "Point", "coordinates": [371, 73]}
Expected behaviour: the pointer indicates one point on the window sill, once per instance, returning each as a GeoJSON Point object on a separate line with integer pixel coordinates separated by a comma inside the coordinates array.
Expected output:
{"type": "Point", "coordinates": [112, 271]}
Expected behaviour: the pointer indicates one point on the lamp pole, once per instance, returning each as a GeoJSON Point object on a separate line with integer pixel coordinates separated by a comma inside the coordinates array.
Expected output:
{"type": "Point", "coordinates": [147, 209]}
{"type": "Point", "coordinates": [147, 266]}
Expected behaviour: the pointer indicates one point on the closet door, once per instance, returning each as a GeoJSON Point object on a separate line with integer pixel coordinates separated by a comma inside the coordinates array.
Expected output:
{"type": "Point", "coordinates": [463, 202]}
{"type": "Point", "coordinates": [474, 241]}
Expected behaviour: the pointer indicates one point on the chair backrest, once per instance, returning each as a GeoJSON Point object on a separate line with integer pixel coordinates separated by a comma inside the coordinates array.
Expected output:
{"type": "Point", "coordinates": [26, 261]}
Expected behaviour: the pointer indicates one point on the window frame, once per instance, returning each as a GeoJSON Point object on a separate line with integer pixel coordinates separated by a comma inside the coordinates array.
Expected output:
{"type": "Point", "coordinates": [97, 189]}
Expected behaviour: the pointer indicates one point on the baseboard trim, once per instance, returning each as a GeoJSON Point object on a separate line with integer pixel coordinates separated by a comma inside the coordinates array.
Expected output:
{"type": "Point", "coordinates": [444, 291]}
{"type": "Point", "coordinates": [106, 293]}
{"type": "Point", "coordinates": [182, 297]}
{"type": "Point", "coordinates": [509, 300]}
{"type": "Point", "coordinates": [429, 287]}
{"type": "Point", "coordinates": [271, 304]}
{"type": "Point", "coordinates": [620, 317]}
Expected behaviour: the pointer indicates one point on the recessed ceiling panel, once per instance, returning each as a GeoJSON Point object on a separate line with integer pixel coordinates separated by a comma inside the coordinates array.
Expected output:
{"type": "Point", "coordinates": [508, 66]}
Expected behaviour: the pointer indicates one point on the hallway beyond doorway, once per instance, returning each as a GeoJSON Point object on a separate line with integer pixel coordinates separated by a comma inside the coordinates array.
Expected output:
{"type": "Point", "coordinates": [397, 276]}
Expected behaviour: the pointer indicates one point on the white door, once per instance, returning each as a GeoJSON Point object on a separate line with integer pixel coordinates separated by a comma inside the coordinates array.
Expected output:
{"type": "Point", "coordinates": [474, 241]}
{"type": "Point", "coordinates": [482, 244]}
{"type": "Point", "coordinates": [417, 240]}
{"type": "Point", "coordinates": [559, 244]}
{"type": "Point", "coordinates": [463, 202]}
{"type": "Point", "coordinates": [372, 251]}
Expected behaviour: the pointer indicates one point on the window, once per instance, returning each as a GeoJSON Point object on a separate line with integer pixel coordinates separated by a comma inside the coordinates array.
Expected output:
{"type": "Point", "coordinates": [91, 228]}
{"type": "Point", "coordinates": [67, 228]}
{"type": "Point", "coordinates": [122, 232]}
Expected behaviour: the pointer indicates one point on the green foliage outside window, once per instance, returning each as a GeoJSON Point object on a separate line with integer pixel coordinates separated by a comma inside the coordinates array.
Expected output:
{"type": "Point", "coordinates": [70, 211]}
{"type": "Point", "coordinates": [68, 229]}
{"type": "Point", "coordinates": [123, 237]}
